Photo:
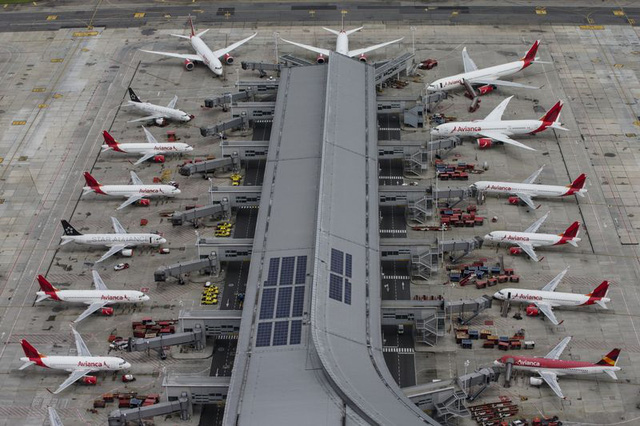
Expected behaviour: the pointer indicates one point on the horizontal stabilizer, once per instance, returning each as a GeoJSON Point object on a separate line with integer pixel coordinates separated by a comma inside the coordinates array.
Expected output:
{"type": "Point", "coordinates": [26, 365]}
{"type": "Point", "coordinates": [611, 374]}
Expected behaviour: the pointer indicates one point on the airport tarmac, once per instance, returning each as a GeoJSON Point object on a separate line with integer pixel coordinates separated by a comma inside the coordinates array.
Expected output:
{"type": "Point", "coordinates": [60, 90]}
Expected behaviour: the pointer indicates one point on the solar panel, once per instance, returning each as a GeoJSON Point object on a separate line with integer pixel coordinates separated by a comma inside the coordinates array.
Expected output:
{"type": "Point", "coordinates": [272, 276]}
{"type": "Point", "coordinates": [264, 334]}
{"type": "Point", "coordinates": [347, 292]}
{"type": "Point", "coordinates": [298, 302]}
{"type": "Point", "coordinates": [286, 272]}
{"type": "Point", "coordinates": [337, 261]}
{"type": "Point", "coordinates": [284, 302]}
{"type": "Point", "coordinates": [267, 303]}
{"type": "Point", "coordinates": [296, 332]}
{"type": "Point", "coordinates": [348, 266]}
{"type": "Point", "coordinates": [335, 287]}
{"type": "Point", "coordinates": [301, 270]}
{"type": "Point", "coordinates": [280, 333]}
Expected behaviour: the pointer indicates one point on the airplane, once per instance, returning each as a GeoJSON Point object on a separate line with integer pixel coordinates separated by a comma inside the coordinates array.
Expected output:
{"type": "Point", "coordinates": [133, 193]}
{"type": "Point", "coordinates": [54, 419]}
{"type": "Point", "coordinates": [116, 242]}
{"type": "Point", "coordinates": [529, 239]}
{"type": "Point", "coordinates": [98, 299]}
{"type": "Point", "coordinates": [80, 366]}
{"type": "Point", "coordinates": [493, 128]}
{"type": "Point", "coordinates": [487, 77]}
{"type": "Point", "coordinates": [159, 114]}
{"type": "Point", "coordinates": [342, 45]}
{"type": "Point", "coordinates": [547, 298]}
{"type": "Point", "coordinates": [203, 53]}
{"type": "Point", "coordinates": [526, 190]}
{"type": "Point", "coordinates": [550, 366]}
{"type": "Point", "coordinates": [148, 150]}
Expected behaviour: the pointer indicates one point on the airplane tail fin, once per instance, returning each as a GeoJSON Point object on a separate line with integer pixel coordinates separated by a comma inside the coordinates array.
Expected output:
{"type": "Point", "coordinates": [133, 96]}
{"type": "Point", "coordinates": [578, 184]}
{"type": "Point", "coordinates": [530, 56]}
{"type": "Point", "coordinates": [92, 184]}
{"type": "Point", "coordinates": [193, 31]}
{"type": "Point", "coordinates": [29, 350]}
{"type": "Point", "coordinates": [553, 115]}
{"type": "Point", "coordinates": [109, 140]}
{"type": "Point", "coordinates": [69, 230]}
{"type": "Point", "coordinates": [572, 231]}
{"type": "Point", "coordinates": [601, 290]}
{"type": "Point", "coordinates": [610, 359]}
{"type": "Point", "coordinates": [45, 285]}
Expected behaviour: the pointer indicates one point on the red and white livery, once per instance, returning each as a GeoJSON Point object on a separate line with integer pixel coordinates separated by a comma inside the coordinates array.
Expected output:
{"type": "Point", "coordinates": [148, 150]}
{"type": "Point", "coordinates": [494, 129]}
{"type": "Point", "coordinates": [487, 76]}
{"type": "Point", "coordinates": [550, 366]}
{"type": "Point", "coordinates": [98, 299]}
{"type": "Point", "coordinates": [80, 366]}
{"type": "Point", "coordinates": [212, 59]}
{"type": "Point", "coordinates": [527, 190]}
{"type": "Point", "coordinates": [529, 239]}
{"type": "Point", "coordinates": [547, 298]}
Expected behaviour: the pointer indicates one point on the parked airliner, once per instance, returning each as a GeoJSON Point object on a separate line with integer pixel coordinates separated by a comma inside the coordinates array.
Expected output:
{"type": "Point", "coordinates": [148, 150]}
{"type": "Point", "coordinates": [157, 113]}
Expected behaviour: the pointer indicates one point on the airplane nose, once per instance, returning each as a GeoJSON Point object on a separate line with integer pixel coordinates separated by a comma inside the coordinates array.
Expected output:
{"type": "Point", "coordinates": [189, 148]}
{"type": "Point", "coordinates": [176, 191]}
{"type": "Point", "coordinates": [126, 365]}
{"type": "Point", "coordinates": [487, 237]}
{"type": "Point", "coordinates": [145, 298]}
{"type": "Point", "coordinates": [162, 240]}
{"type": "Point", "coordinates": [497, 363]}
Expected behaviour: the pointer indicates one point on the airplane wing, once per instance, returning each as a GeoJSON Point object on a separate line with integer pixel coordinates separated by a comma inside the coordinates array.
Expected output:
{"type": "Point", "coordinates": [54, 419]}
{"type": "Point", "coordinates": [97, 281]}
{"type": "Point", "coordinates": [493, 134]}
{"type": "Point", "coordinates": [147, 118]}
{"type": "Point", "coordinates": [554, 282]}
{"type": "Point", "coordinates": [74, 377]}
{"type": "Point", "coordinates": [501, 83]}
{"type": "Point", "coordinates": [552, 381]}
{"type": "Point", "coordinates": [135, 179]}
{"type": "Point", "coordinates": [534, 176]}
{"type": "Point", "coordinates": [496, 114]}
{"type": "Point", "coordinates": [117, 227]}
{"type": "Point", "coordinates": [547, 310]}
{"type": "Point", "coordinates": [176, 55]}
{"type": "Point", "coordinates": [130, 200]}
{"type": "Point", "coordinates": [91, 309]}
{"type": "Point", "coordinates": [358, 52]}
{"type": "Point", "coordinates": [113, 250]}
{"type": "Point", "coordinates": [173, 102]}
{"type": "Point", "coordinates": [469, 65]}
{"type": "Point", "coordinates": [224, 51]}
{"type": "Point", "coordinates": [528, 248]}
{"type": "Point", "coordinates": [560, 347]}
{"type": "Point", "coordinates": [150, 137]}
{"type": "Point", "coordinates": [81, 347]}
{"type": "Point", "coordinates": [527, 200]}
{"type": "Point", "coordinates": [144, 158]}
{"type": "Point", "coordinates": [324, 52]}
{"type": "Point", "coordinates": [533, 228]}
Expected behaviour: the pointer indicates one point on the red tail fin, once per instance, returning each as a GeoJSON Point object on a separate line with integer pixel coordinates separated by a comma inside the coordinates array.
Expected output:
{"type": "Point", "coordinates": [579, 182]}
{"type": "Point", "coordinates": [29, 350]}
{"type": "Point", "coordinates": [109, 140]}
{"type": "Point", "coordinates": [601, 290]}
{"type": "Point", "coordinates": [572, 231]}
{"type": "Point", "coordinates": [553, 114]}
{"type": "Point", "coordinates": [92, 183]}
{"type": "Point", "coordinates": [193, 31]}
{"type": "Point", "coordinates": [530, 56]}
{"type": "Point", "coordinates": [45, 285]}
{"type": "Point", "coordinates": [610, 359]}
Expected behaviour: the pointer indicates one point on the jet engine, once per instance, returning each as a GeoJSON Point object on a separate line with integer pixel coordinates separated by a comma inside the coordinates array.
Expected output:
{"type": "Point", "coordinates": [158, 158]}
{"type": "Point", "coordinates": [127, 252]}
{"type": "Point", "coordinates": [515, 251]}
{"type": "Point", "coordinates": [535, 381]}
{"type": "Point", "coordinates": [362, 58]}
{"type": "Point", "coordinates": [144, 202]}
{"type": "Point", "coordinates": [514, 200]}
{"type": "Point", "coordinates": [107, 311]}
{"type": "Point", "coordinates": [188, 65]}
{"type": "Point", "coordinates": [485, 143]}
{"type": "Point", "coordinates": [89, 380]}
{"type": "Point", "coordinates": [228, 59]}
{"type": "Point", "coordinates": [483, 90]}
{"type": "Point", "coordinates": [161, 122]}
{"type": "Point", "coordinates": [321, 59]}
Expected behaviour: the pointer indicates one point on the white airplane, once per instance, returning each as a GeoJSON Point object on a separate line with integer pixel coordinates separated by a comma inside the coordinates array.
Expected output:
{"type": "Point", "coordinates": [487, 76]}
{"type": "Point", "coordinates": [550, 366]}
{"type": "Point", "coordinates": [80, 366]}
{"type": "Point", "coordinates": [494, 128]}
{"type": "Point", "coordinates": [529, 239]}
{"type": "Point", "coordinates": [116, 242]}
{"type": "Point", "coordinates": [203, 53]}
{"type": "Point", "coordinates": [148, 150]}
{"type": "Point", "coordinates": [54, 419]}
{"type": "Point", "coordinates": [159, 114]}
{"type": "Point", "coordinates": [526, 190]}
{"type": "Point", "coordinates": [97, 299]}
{"type": "Point", "coordinates": [342, 45]}
{"type": "Point", "coordinates": [547, 298]}
{"type": "Point", "coordinates": [133, 193]}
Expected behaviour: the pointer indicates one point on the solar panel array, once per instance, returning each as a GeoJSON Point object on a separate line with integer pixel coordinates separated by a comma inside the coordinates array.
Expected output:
{"type": "Point", "coordinates": [281, 301]}
{"type": "Point", "coordinates": [340, 276]}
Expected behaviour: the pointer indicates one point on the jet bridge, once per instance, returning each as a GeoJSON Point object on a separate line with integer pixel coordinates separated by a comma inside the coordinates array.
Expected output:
{"type": "Point", "coordinates": [209, 264]}
{"type": "Point", "coordinates": [179, 404]}
{"type": "Point", "coordinates": [431, 100]}
{"type": "Point", "coordinates": [238, 196]}
{"type": "Point", "coordinates": [246, 150]}
{"type": "Point", "coordinates": [218, 129]}
{"type": "Point", "coordinates": [195, 337]}
{"type": "Point", "coordinates": [394, 68]}
{"type": "Point", "coordinates": [261, 67]}
{"type": "Point", "coordinates": [253, 110]}
{"type": "Point", "coordinates": [219, 209]}
{"type": "Point", "coordinates": [231, 162]}
{"type": "Point", "coordinates": [227, 249]}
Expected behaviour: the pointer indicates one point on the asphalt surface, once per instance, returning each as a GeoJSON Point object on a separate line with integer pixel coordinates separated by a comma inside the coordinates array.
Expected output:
{"type": "Point", "coordinates": [246, 220]}
{"type": "Point", "coordinates": [103, 14]}
{"type": "Point", "coordinates": [393, 223]}
{"type": "Point", "coordinates": [236, 282]}
{"type": "Point", "coordinates": [398, 351]}
{"type": "Point", "coordinates": [388, 127]}
{"type": "Point", "coordinates": [396, 282]}
{"type": "Point", "coordinates": [261, 131]}
{"type": "Point", "coordinates": [254, 172]}
{"type": "Point", "coordinates": [391, 172]}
